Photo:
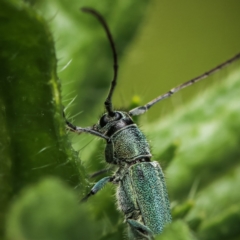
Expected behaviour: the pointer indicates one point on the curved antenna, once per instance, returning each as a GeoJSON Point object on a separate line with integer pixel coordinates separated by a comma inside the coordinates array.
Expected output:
{"type": "Point", "coordinates": [108, 101]}
{"type": "Point", "coordinates": [142, 109]}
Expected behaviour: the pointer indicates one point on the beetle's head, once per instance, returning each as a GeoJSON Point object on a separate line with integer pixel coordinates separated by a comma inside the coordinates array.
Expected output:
{"type": "Point", "coordinates": [109, 124]}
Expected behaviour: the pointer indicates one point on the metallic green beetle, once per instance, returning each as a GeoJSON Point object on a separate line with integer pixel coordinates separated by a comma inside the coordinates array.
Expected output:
{"type": "Point", "coordinates": [142, 193]}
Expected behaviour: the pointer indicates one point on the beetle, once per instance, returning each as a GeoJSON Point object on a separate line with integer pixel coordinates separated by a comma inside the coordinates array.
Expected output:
{"type": "Point", "coordinates": [141, 193]}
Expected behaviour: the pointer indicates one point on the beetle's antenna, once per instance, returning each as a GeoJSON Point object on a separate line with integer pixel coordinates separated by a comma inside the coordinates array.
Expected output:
{"type": "Point", "coordinates": [108, 101]}
{"type": "Point", "coordinates": [142, 109]}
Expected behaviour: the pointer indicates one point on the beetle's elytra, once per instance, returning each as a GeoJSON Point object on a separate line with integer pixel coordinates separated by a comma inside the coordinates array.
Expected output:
{"type": "Point", "coordinates": [141, 189]}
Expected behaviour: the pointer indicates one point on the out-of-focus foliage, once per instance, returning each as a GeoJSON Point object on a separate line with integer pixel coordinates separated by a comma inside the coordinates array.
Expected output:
{"type": "Point", "coordinates": [85, 58]}
{"type": "Point", "coordinates": [177, 230]}
{"type": "Point", "coordinates": [203, 177]}
{"type": "Point", "coordinates": [197, 145]}
{"type": "Point", "coordinates": [49, 210]}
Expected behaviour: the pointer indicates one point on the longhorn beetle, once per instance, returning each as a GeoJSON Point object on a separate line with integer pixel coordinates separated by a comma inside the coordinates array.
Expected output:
{"type": "Point", "coordinates": [142, 194]}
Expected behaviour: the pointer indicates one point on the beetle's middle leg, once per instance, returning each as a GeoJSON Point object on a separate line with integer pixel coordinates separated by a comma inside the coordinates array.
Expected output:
{"type": "Point", "coordinates": [105, 170]}
{"type": "Point", "coordinates": [98, 186]}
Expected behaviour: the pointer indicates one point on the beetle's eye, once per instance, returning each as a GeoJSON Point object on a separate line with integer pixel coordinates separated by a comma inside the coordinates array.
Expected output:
{"type": "Point", "coordinates": [117, 116]}
{"type": "Point", "coordinates": [103, 120]}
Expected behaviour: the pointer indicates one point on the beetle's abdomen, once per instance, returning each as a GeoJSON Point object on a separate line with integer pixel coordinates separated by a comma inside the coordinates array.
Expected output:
{"type": "Point", "coordinates": [129, 144]}
{"type": "Point", "coordinates": [142, 196]}
{"type": "Point", "coordinates": [151, 193]}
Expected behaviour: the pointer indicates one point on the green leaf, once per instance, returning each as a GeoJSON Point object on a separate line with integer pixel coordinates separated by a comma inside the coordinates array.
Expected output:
{"type": "Point", "coordinates": [49, 210]}
{"type": "Point", "coordinates": [224, 225]}
{"type": "Point", "coordinates": [33, 142]}
{"type": "Point", "coordinates": [178, 231]}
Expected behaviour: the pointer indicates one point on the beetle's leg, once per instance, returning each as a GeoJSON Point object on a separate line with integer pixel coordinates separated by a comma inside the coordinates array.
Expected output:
{"type": "Point", "coordinates": [101, 172]}
{"type": "Point", "coordinates": [79, 130]}
{"type": "Point", "coordinates": [139, 231]}
{"type": "Point", "coordinates": [98, 186]}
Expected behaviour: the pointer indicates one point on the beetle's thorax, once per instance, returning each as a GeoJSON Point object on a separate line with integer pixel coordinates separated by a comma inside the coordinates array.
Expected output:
{"type": "Point", "coordinates": [126, 142]}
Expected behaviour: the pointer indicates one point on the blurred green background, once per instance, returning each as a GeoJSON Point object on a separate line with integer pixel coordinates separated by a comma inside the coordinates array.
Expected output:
{"type": "Point", "coordinates": [160, 45]}
{"type": "Point", "coordinates": [172, 42]}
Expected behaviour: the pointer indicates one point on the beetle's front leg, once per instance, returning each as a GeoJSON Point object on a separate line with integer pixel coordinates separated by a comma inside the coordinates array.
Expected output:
{"type": "Point", "coordinates": [98, 186]}
{"type": "Point", "coordinates": [79, 130]}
